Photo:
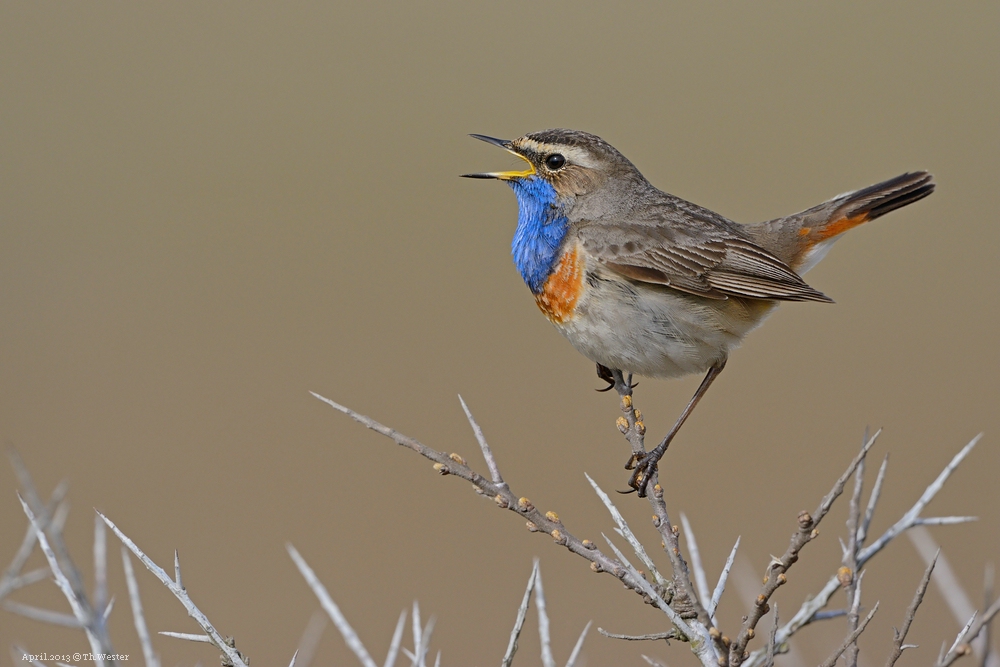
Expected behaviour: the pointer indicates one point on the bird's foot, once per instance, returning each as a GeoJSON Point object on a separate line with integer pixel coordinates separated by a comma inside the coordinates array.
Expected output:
{"type": "Point", "coordinates": [607, 375]}
{"type": "Point", "coordinates": [644, 467]}
{"type": "Point", "coordinates": [610, 376]}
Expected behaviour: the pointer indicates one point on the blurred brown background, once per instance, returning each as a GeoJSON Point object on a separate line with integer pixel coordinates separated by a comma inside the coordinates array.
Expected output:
{"type": "Point", "coordinates": [210, 209]}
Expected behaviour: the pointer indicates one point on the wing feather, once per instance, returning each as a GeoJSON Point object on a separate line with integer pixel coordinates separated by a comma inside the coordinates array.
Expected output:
{"type": "Point", "coordinates": [706, 256]}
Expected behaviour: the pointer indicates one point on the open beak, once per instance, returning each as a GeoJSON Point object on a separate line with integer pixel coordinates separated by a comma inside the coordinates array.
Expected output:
{"type": "Point", "coordinates": [502, 175]}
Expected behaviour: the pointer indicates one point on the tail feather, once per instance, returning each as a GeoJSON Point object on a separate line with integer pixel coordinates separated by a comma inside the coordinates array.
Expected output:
{"type": "Point", "coordinates": [802, 239]}
{"type": "Point", "coordinates": [877, 200]}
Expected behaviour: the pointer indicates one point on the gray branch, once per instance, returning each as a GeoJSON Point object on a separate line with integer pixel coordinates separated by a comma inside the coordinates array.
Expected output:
{"type": "Point", "coordinates": [181, 594]}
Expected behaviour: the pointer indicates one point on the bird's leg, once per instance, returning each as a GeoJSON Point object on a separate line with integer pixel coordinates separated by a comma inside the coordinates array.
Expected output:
{"type": "Point", "coordinates": [645, 465]}
{"type": "Point", "coordinates": [612, 377]}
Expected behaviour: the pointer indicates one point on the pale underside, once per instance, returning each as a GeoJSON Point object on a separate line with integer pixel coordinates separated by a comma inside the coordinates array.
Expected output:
{"type": "Point", "coordinates": [655, 330]}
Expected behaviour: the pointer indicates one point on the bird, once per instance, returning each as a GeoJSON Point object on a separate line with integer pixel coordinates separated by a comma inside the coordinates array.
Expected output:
{"type": "Point", "coordinates": [643, 282]}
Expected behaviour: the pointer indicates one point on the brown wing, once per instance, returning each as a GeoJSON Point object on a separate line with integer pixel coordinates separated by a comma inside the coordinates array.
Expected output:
{"type": "Point", "coordinates": [701, 254]}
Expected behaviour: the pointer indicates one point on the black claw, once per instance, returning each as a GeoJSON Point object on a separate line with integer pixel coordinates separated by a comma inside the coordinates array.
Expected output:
{"type": "Point", "coordinates": [605, 374]}
{"type": "Point", "coordinates": [644, 468]}
{"type": "Point", "coordinates": [625, 493]}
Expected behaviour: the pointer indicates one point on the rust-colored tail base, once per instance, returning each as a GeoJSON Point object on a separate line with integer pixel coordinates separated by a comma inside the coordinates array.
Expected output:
{"type": "Point", "coordinates": [874, 201]}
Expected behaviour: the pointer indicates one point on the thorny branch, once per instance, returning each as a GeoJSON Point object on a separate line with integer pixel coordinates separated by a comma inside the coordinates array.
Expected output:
{"type": "Point", "coordinates": [677, 597]}
{"type": "Point", "coordinates": [704, 644]}
{"type": "Point", "coordinates": [968, 633]}
{"type": "Point", "coordinates": [849, 575]}
{"type": "Point", "coordinates": [696, 625]}
{"type": "Point", "coordinates": [851, 640]}
{"type": "Point", "coordinates": [175, 586]}
{"type": "Point", "coordinates": [634, 430]}
{"type": "Point", "coordinates": [807, 531]}
{"type": "Point", "coordinates": [549, 522]}
{"type": "Point", "coordinates": [899, 636]}
{"type": "Point", "coordinates": [807, 612]}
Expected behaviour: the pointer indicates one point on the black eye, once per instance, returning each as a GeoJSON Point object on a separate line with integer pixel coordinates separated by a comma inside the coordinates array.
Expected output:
{"type": "Point", "coordinates": [555, 161]}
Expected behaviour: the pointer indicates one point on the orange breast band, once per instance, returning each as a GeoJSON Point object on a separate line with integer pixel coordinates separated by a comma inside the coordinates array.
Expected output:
{"type": "Point", "coordinates": [563, 288]}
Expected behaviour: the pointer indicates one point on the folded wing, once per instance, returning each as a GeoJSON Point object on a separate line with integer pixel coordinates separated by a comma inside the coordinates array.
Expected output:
{"type": "Point", "coordinates": [708, 258]}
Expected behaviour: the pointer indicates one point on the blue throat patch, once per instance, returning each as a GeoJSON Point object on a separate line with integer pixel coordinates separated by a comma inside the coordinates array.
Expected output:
{"type": "Point", "coordinates": [541, 228]}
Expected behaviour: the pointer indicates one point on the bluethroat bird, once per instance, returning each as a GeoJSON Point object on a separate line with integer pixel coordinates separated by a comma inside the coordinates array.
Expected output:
{"type": "Point", "coordinates": [643, 282]}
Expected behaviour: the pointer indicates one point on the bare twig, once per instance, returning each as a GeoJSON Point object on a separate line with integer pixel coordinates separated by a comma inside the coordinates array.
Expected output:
{"type": "Point", "coordinates": [187, 636]}
{"type": "Point", "coordinates": [626, 532]}
{"type": "Point", "coordinates": [826, 615]}
{"type": "Point", "coordinates": [944, 520]}
{"type": "Point", "coordinates": [522, 612]}
{"type": "Point", "coordinates": [772, 644]}
{"type": "Point", "coordinates": [422, 640]}
{"type": "Point", "coordinates": [853, 578]}
{"type": "Point", "coordinates": [702, 644]}
{"type": "Point", "coordinates": [93, 625]}
{"type": "Point", "coordinates": [808, 609]}
{"type": "Point", "coordinates": [417, 633]}
{"type": "Point", "coordinates": [899, 636]}
{"type": "Point", "coordinates": [491, 462]}
{"type": "Point", "coordinates": [548, 522]}
{"type": "Point", "coordinates": [397, 640]}
{"type": "Point", "coordinates": [909, 519]}
{"type": "Point", "coordinates": [988, 628]}
{"type": "Point", "coordinates": [544, 637]}
{"type": "Point", "coordinates": [634, 430]}
{"type": "Point", "coordinates": [700, 579]}
{"type": "Point", "coordinates": [137, 614]}
{"type": "Point", "coordinates": [330, 607]}
{"type": "Point", "coordinates": [100, 564]}
{"type": "Point", "coordinates": [12, 579]}
{"type": "Point", "coordinates": [959, 647]}
{"type": "Point", "coordinates": [851, 639]}
{"type": "Point", "coordinates": [807, 531]}
{"type": "Point", "coordinates": [19, 654]}
{"type": "Point", "coordinates": [652, 636]}
{"type": "Point", "coordinates": [579, 645]}
{"type": "Point", "coordinates": [721, 586]}
{"type": "Point", "coordinates": [71, 576]}
{"type": "Point", "coordinates": [43, 615]}
{"type": "Point", "coordinates": [862, 533]}
{"type": "Point", "coordinates": [181, 594]}
{"type": "Point", "coordinates": [970, 632]}
{"type": "Point", "coordinates": [26, 579]}
{"type": "Point", "coordinates": [658, 601]}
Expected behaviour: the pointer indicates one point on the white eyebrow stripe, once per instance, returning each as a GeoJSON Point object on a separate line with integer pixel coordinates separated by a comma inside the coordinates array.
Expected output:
{"type": "Point", "coordinates": [573, 154]}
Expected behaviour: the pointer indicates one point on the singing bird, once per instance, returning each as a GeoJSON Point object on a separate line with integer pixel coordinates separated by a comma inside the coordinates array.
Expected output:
{"type": "Point", "coordinates": [643, 282]}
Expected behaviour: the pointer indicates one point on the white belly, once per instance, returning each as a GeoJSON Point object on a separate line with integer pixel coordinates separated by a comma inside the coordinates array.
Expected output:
{"type": "Point", "coordinates": [654, 330]}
